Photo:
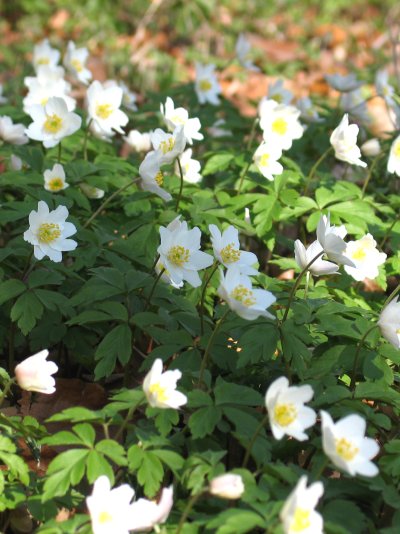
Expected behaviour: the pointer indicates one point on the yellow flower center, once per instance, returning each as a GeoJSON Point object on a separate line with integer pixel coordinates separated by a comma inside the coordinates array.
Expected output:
{"type": "Point", "coordinates": [159, 391]}
{"type": "Point", "coordinates": [77, 65]}
{"type": "Point", "coordinates": [204, 85]}
{"type": "Point", "coordinates": [278, 98]}
{"type": "Point", "coordinates": [396, 149]}
{"type": "Point", "coordinates": [285, 414]}
{"type": "Point", "coordinates": [359, 254]}
{"type": "Point", "coordinates": [280, 126]}
{"type": "Point", "coordinates": [345, 449]}
{"type": "Point", "coordinates": [230, 254]}
{"type": "Point", "coordinates": [48, 232]}
{"type": "Point", "coordinates": [104, 517]}
{"type": "Point", "coordinates": [243, 295]}
{"type": "Point", "coordinates": [167, 146]}
{"type": "Point", "coordinates": [159, 178]}
{"type": "Point", "coordinates": [55, 184]}
{"type": "Point", "coordinates": [177, 119]}
{"type": "Point", "coordinates": [178, 255]}
{"type": "Point", "coordinates": [43, 61]}
{"type": "Point", "coordinates": [301, 520]}
{"type": "Point", "coordinates": [264, 160]}
{"type": "Point", "coordinates": [44, 101]}
{"type": "Point", "coordinates": [53, 124]}
{"type": "Point", "coordinates": [104, 110]}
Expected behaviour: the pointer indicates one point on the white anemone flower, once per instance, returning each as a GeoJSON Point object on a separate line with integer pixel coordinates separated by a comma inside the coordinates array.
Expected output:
{"type": "Point", "coordinates": [152, 176]}
{"type": "Point", "coordinates": [280, 124]}
{"type": "Point", "coordinates": [110, 510]}
{"type": "Point", "coordinates": [44, 54]}
{"type": "Point", "coordinates": [371, 148]}
{"type": "Point", "coordinates": [49, 232]}
{"type": "Point", "coordinates": [180, 252]}
{"type": "Point", "coordinates": [206, 85]}
{"type": "Point", "coordinates": [160, 387]}
{"type": "Point", "coordinates": [242, 49]}
{"type": "Point", "coordinates": [75, 61]}
{"type": "Point", "coordinates": [286, 411]}
{"type": "Point", "coordinates": [34, 373]}
{"type": "Point", "coordinates": [331, 240]}
{"type": "Point", "coordinates": [227, 486]}
{"type": "Point", "coordinates": [165, 275]}
{"type": "Point", "coordinates": [52, 122]}
{"type": "Point", "coordinates": [266, 159]}
{"type": "Point", "coordinates": [140, 142]}
{"type": "Point", "coordinates": [389, 322]}
{"type": "Point", "coordinates": [227, 251]}
{"type": "Point", "coordinates": [48, 83]}
{"type": "Point", "coordinates": [237, 291]}
{"type": "Point", "coordinates": [366, 258]}
{"type": "Point", "coordinates": [219, 129]}
{"type": "Point", "coordinates": [298, 514]}
{"type": "Point", "coordinates": [128, 97]}
{"type": "Point", "coordinates": [103, 108]}
{"type": "Point", "coordinates": [277, 92]}
{"type": "Point", "coordinates": [54, 179]}
{"type": "Point", "coordinates": [393, 165]}
{"type": "Point", "coordinates": [343, 84]}
{"type": "Point", "coordinates": [308, 111]}
{"type": "Point", "coordinates": [303, 257]}
{"type": "Point", "coordinates": [174, 117]}
{"type": "Point", "coordinates": [99, 133]}
{"type": "Point", "coordinates": [12, 133]}
{"type": "Point", "coordinates": [344, 442]}
{"type": "Point", "coordinates": [344, 142]}
{"type": "Point", "coordinates": [168, 145]}
{"type": "Point", "coordinates": [190, 167]}
{"type": "Point", "coordinates": [146, 515]}
{"type": "Point", "coordinates": [383, 87]}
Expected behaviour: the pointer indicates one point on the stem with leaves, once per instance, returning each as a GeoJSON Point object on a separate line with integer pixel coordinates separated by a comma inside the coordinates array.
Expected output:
{"type": "Point", "coordinates": [314, 169]}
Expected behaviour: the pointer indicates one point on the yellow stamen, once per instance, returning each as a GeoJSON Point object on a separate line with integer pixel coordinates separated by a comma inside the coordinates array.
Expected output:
{"type": "Point", "coordinates": [160, 392]}
{"type": "Point", "coordinates": [104, 110]}
{"type": "Point", "coordinates": [345, 449]}
{"type": "Point", "coordinates": [280, 126]}
{"type": "Point", "coordinates": [230, 254]}
{"type": "Point", "coordinates": [159, 178]}
{"type": "Point", "coordinates": [53, 124]}
{"type": "Point", "coordinates": [55, 184]}
{"type": "Point", "coordinates": [177, 119]}
{"type": "Point", "coordinates": [205, 85]}
{"type": "Point", "coordinates": [264, 160]}
{"type": "Point", "coordinates": [359, 254]}
{"type": "Point", "coordinates": [104, 517]}
{"type": "Point", "coordinates": [43, 61]}
{"type": "Point", "coordinates": [77, 65]}
{"type": "Point", "coordinates": [243, 295]}
{"type": "Point", "coordinates": [285, 414]}
{"type": "Point", "coordinates": [167, 146]}
{"type": "Point", "coordinates": [396, 150]}
{"type": "Point", "coordinates": [278, 98]}
{"type": "Point", "coordinates": [48, 232]}
{"type": "Point", "coordinates": [178, 255]}
{"type": "Point", "coordinates": [44, 101]}
{"type": "Point", "coordinates": [301, 520]}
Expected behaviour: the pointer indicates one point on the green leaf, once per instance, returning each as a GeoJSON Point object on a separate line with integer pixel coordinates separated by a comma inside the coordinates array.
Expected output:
{"type": "Point", "coordinates": [203, 422]}
{"type": "Point", "coordinates": [26, 311]}
{"type": "Point", "coordinates": [10, 289]}
{"type": "Point", "coordinates": [116, 345]}
{"type": "Point", "coordinates": [66, 470]}
{"type": "Point", "coordinates": [88, 316]}
{"type": "Point", "coordinates": [217, 162]}
{"type": "Point", "coordinates": [230, 393]}
{"type": "Point", "coordinates": [235, 521]}
{"type": "Point", "coordinates": [148, 468]}
{"type": "Point", "coordinates": [97, 465]}
{"type": "Point", "coordinates": [112, 450]}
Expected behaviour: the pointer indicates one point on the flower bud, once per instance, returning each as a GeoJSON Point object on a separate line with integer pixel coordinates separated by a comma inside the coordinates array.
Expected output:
{"type": "Point", "coordinates": [371, 147]}
{"type": "Point", "coordinates": [34, 373]}
{"type": "Point", "coordinates": [228, 486]}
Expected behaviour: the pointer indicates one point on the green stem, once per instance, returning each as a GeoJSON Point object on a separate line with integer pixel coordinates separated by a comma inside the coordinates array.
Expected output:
{"type": "Point", "coordinates": [125, 423]}
{"type": "Point", "coordinates": [314, 169]}
{"type": "Point", "coordinates": [242, 176]}
{"type": "Point", "coordinates": [369, 176]}
{"type": "Point", "coordinates": [252, 133]}
{"type": "Point", "coordinates": [107, 201]}
{"type": "Point", "coordinates": [59, 152]}
{"type": "Point", "coordinates": [245, 170]}
{"type": "Point", "coordinates": [192, 501]}
{"type": "Point", "coordinates": [6, 390]}
{"type": "Point", "coordinates": [246, 458]}
{"type": "Point", "coordinates": [181, 185]}
{"type": "Point", "coordinates": [85, 140]}
{"type": "Point", "coordinates": [388, 231]}
{"type": "Point", "coordinates": [357, 357]}
{"type": "Point", "coordinates": [391, 297]}
{"type": "Point", "coordinates": [203, 295]}
{"type": "Point", "coordinates": [297, 283]}
{"type": "Point", "coordinates": [321, 470]}
{"type": "Point", "coordinates": [153, 288]}
{"type": "Point", "coordinates": [27, 266]}
{"type": "Point", "coordinates": [209, 345]}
